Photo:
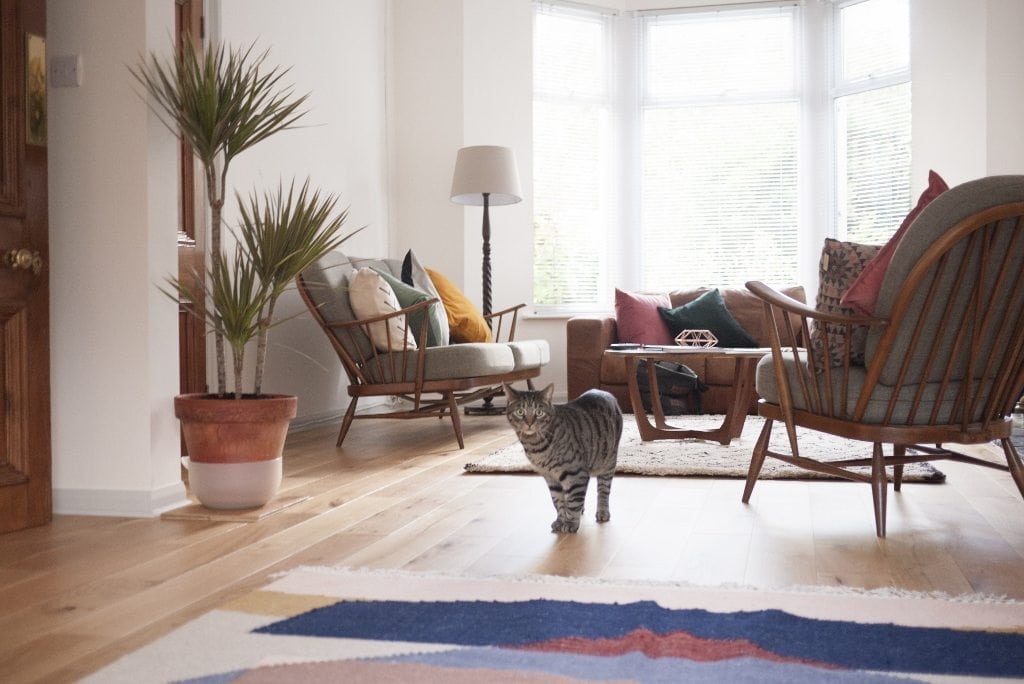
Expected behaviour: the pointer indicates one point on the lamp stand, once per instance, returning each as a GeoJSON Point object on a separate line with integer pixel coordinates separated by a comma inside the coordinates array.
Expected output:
{"type": "Point", "coordinates": [487, 408]}
{"type": "Point", "coordinates": [486, 272]}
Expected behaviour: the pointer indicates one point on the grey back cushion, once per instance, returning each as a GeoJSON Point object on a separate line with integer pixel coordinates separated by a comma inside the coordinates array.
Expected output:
{"type": "Point", "coordinates": [939, 216]}
{"type": "Point", "coordinates": [327, 283]}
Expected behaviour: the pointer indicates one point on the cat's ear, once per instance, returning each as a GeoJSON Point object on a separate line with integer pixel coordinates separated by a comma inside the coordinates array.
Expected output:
{"type": "Point", "coordinates": [548, 392]}
{"type": "Point", "coordinates": [510, 394]}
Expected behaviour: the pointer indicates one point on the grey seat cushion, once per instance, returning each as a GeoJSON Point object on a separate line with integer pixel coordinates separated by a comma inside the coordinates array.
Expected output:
{"type": "Point", "coordinates": [878, 404]}
{"type": "Point", "coordinates": [530, 353]}
{"type": "Point", "coordinates": [468, 360]}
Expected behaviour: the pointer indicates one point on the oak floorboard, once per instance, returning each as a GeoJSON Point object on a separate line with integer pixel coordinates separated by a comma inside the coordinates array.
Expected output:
{"type": "Point", "coordinates": [74, 596]}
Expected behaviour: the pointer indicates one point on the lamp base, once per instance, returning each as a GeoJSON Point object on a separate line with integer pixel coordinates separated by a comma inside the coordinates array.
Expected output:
{"type": "Point", "coordinates": [485, 409]}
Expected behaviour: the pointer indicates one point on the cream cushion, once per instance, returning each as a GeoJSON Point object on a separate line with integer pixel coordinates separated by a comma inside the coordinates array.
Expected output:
{"type": "Point", "coordinates": [370, 295]}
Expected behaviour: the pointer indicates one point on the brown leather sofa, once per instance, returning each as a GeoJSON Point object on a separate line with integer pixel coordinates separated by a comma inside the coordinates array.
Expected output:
{"type": "Point", "coordinates": [587, 338]}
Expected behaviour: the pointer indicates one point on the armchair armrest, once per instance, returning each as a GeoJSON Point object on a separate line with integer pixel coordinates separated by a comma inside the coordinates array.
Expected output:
{"type": "Point", "coordinates": [794, 306]}
{"type": "Point", "coordinates": [506, 318]}
{"type": "Point", "coordinates": [815, 375]}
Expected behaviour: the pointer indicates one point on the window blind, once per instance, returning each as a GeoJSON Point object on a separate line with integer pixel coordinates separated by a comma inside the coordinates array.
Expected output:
{"type": "Point", "coordinates": [572, 147]}
{"type": "Point", "coordinates": [719, 148]}
{"type": "Point", "coordinates": [871, 111]}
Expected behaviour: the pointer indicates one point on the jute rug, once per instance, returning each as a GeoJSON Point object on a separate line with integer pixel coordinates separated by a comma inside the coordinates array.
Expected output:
{"type": "Point", "coordinates": [694, 457]}
{"type": "Point", "coordinates": [339, 625]}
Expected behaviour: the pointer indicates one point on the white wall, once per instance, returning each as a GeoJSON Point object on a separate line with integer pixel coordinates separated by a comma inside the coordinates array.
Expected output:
{"type": "Point", "coordinates": [113, 221]}
{"type": "Point", "coordinates": [113, 226]}
{"type": "Point", "coordinates": [968, 67]}
{"type": "Point", "coordinates": [461, 74]}
{"type": "Point", "coordinates": [1005, 77]}
{"type": "Point", "coordinates": [426, 91]}
{"type": "Point", "coordinates": [341, 145]}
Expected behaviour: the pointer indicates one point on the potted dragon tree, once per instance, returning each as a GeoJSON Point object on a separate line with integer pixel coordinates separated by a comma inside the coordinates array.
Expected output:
{"type": "Point", "coordinates": [222, 102]}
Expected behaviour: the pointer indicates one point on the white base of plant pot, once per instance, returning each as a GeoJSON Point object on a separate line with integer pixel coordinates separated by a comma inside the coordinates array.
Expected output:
{"type": "Point", "coordinates": [234, 485]}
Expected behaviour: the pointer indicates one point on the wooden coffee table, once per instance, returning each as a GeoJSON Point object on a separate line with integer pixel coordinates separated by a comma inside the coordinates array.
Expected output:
{"type": "Point", "coordinates": [736, 414]}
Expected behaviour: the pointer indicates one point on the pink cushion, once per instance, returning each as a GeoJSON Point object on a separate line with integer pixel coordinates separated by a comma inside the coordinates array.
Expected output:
{"type": "Point", "coordinates": [863, 293]}
{"type": "Point", "coordinates": [638, 320]}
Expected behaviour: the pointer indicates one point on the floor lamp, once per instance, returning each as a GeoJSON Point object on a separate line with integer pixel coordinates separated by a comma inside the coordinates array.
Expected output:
{"type": "Point", "coordinates": [486, 175]}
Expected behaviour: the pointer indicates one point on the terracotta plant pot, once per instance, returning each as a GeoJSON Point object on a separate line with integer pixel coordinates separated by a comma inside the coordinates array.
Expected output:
{"type": "Point", "coordinates": [234, 446]}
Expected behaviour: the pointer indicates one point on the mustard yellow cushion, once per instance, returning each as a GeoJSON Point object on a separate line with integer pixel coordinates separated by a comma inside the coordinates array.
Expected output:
{"type": "Point", "coordinates": [465, 321]}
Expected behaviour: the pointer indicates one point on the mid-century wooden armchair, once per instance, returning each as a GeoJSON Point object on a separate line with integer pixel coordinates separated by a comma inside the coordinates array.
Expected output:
{"type": "Point", "coordinates": [432, 381]}
{"type": "Point", "coordinates": [944, 355]}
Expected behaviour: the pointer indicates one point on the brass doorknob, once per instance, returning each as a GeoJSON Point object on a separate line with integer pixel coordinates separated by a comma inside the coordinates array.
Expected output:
{"type": "Point", "coordinates": [23, 259]}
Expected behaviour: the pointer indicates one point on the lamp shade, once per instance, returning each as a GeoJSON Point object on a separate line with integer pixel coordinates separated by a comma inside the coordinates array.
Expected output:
{"type": "Point", "coordinates": [486, 169]}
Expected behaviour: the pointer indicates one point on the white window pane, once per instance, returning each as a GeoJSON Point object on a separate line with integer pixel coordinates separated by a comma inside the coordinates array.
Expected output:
{"type": "Point", "coordinates": [569, 56]}
{"type": "Point", "coordinates": [571, 213]}
{"type": "Point", "coordinates": [873, 162]}
{"type": "Point", "coordinates": [719, 54]}
{"type": "Point", "coordinates": [875, 39]}
{"type": "Point", "coordinates": [719, 195]}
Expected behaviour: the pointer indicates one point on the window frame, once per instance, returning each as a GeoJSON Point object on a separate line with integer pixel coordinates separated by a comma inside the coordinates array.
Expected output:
{"type": "Point", "coordinates": [817, 85]}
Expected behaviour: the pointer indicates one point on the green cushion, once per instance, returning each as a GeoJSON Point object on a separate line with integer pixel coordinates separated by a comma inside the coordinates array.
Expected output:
{"type": "Point", "coordinates": [708, 312]}
{"type": "Point", "coordinates": [408, 296]}
{"type": "Point", "coordinates": [413, 273]}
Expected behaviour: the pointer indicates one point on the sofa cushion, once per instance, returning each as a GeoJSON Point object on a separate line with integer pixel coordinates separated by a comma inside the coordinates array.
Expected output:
{"type": "Point", "coordinates": [370, 295]}
{"type": "Point", "coordinates": [409, 296]}
{"type": "Point", "coordinates": [529, 353]}
{"type": "Point", "coordinates": [708, 312]}
{"type": "Point", "coordinates": [465, 322]}
{"type": "Point", "coordinates": [840, 264]}
{"type": "Point", "coordinates": [413, 273]}
{"type": "Point", "coordinates": [472, 359]}
{"type": "Point", "coordinates": [638, 320]}
{"type": "Point", "coordinates": [878, 405]}
{"type": "Point", "coordinates": [863, 292]}
{"type": "Point", "coordinates": [328, 287]}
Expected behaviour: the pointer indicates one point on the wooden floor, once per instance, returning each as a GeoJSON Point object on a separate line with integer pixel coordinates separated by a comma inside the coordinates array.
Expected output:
{"type": "Point", "coordinates": [82, 591]}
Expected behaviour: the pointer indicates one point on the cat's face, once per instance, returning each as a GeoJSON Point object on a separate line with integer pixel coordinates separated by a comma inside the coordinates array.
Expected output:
{"type": "Point", "coordinates": [529, 411]}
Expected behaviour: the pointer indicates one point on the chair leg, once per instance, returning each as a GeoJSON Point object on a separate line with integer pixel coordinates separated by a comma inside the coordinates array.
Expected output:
{"type": "Point", "coordinates": [346, 423]}
{"type": "Point", "coordinates": [1014, 461]}
{"type": "Point", "coordinates": [898, 451]}
{"type": "Point", "coordinates": [879, 485]}
{"type": "Point", "coordinates": [453, 409]}
{"type": "Point", "coordinates": [757, 459]}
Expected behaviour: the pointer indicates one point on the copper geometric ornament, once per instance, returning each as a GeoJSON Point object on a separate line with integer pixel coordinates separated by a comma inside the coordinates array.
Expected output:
{"type": "Point", "coordinates": [696, 338]}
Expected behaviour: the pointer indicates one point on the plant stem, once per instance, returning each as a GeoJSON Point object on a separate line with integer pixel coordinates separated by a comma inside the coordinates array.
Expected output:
{"type": "Point", "coordinates": [261, 346]}
{"type": "Point", "coordinates": [216, 205]}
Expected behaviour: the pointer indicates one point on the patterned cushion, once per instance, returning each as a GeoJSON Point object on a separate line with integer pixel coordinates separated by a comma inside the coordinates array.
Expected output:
{"type": "Point", "coordinates": [370, 296]}
{"type": "Point", "coordinates": [407, 296]}
{"type": "Point", "coordinates": [841, 263]}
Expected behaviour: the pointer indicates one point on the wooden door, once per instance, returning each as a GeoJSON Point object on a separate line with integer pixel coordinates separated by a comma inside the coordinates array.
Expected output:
{"type": "Point", "coordinates": [188, 23]}
{"type": "Point", "coordinates": [25, 489]}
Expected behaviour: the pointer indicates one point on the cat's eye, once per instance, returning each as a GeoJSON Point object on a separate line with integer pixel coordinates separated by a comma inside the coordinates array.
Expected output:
{"type": "Point", "coordinates": [520, 412]}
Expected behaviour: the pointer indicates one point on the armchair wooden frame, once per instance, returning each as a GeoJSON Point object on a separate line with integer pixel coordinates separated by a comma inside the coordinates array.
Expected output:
{"type": "Point", "coordinates": [959, 386]}
{"type": "Point", "coordinates": [401, 373]}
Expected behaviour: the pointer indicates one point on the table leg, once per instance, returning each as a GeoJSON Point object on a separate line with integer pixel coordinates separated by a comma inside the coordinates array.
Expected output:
{"type": "Point", "coordinates": [732, 424]}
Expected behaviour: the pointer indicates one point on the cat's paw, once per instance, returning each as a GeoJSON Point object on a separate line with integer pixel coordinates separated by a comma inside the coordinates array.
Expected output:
{"type": "Point", "coordinates": [564, 526]}
{"type": "Point", "coordinates": [603, 516]}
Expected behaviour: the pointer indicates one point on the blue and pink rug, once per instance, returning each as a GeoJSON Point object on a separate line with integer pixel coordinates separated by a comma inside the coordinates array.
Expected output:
{"type": "Point", "coordinates": [323, 624]}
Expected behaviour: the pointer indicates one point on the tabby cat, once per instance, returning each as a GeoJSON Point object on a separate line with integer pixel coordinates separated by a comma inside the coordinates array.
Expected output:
{"type": "Point", "coordinates": [567, 444]}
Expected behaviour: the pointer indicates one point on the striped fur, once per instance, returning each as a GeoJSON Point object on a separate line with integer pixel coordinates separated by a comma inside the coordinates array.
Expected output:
{"type": "Point", "coordinates": [567, 444]}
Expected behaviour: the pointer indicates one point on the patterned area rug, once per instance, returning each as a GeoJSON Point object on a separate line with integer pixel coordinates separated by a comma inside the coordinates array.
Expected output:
{"type": "Point", "coordinates": [325, 624]}
{"type": "Point", "coordinates": [693, 457]}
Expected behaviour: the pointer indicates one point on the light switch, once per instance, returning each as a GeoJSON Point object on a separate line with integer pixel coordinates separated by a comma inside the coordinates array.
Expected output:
{"type": "Point", "coordinates": [66, 71]}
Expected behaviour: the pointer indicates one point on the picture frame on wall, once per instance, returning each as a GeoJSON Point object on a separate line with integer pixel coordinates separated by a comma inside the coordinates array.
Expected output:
{"type": "Point", "coordinates": [35, 89]}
